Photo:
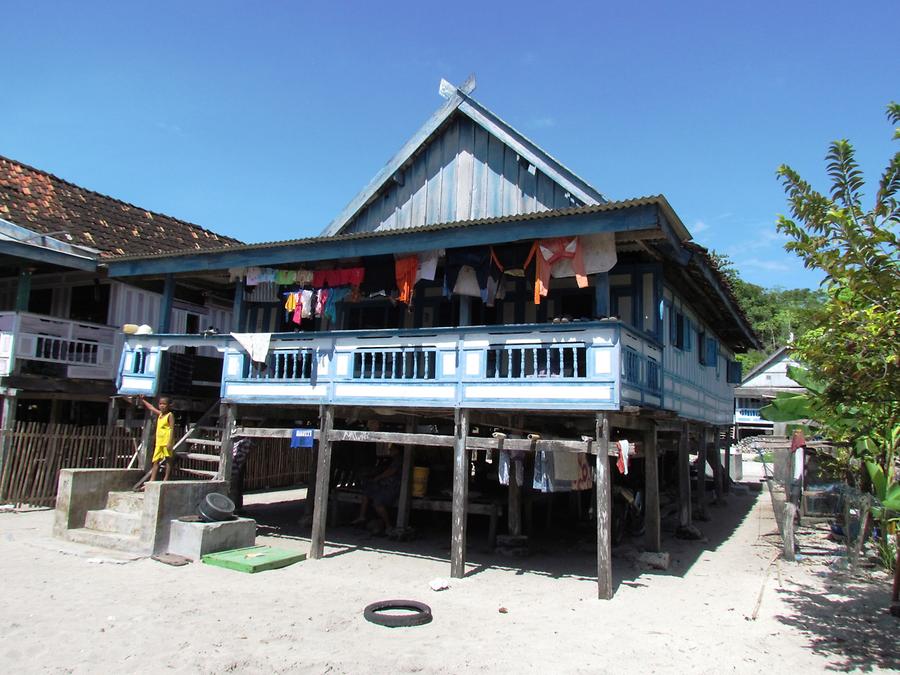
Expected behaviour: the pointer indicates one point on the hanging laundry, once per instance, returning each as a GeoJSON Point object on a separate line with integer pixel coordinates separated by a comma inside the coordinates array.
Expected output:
{"type": "Point", "coordinates": [335, 295]}
{"type": "Point", "coordinates": [480, 259]}
{"type": "Point", "coordinates": [236, 273]}
{"type": "Point", "coordinates": [428, 261]}
{"type": "Point", "coordinates": [255, 344]}
{"type": "Point", "coordinates": [544, 478]}
{"type": "Point", "coordinates": [598, 251]}
{"type": "Point", "coordinates": [253, 274]}
{"type": "Point", "coordinates": [624, 448]}
{"type": "Point", "coordinates": [565, 466]}
{"type": "Point", "coordinates": [585, 480]}
{"type": "Point", "coordinates": [305, 306]}
{"type": "Point", "coordinates": [547, 253]}
{"type": "Point", "coordinates": [503, 468]}
{"type": "Point", "coordinates": [321, 298]}
{"type": "Point", "coordinates": [512, 258]}
{"type": "Point", "coordinates": [304, 277]}
{"type": "Point", "coordinates": [266, 275]}
{"type": "Point", "coordinates": [285, 277]}
{"type": "Point", "coordinates": [467, 283]}
{"type": "Point", "coordinates": [406, 268]}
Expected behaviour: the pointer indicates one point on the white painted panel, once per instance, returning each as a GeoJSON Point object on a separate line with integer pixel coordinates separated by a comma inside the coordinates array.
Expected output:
{"type": "Point", "coordinates": [233, 366]}
{"type": "Point", "coordinates": [400, 391]}
{"type": "Point", "coordinates": [299, 390]}
{"type": "Point", "coordinates": [342, 367]}
{"type": "Point", "coordinates": [448, 363]}
{"type": "Point", "coordinates": [473, 363]}
{"type": "Point", "coordinates": [602, 362]}
{"type": "Point", "coordinates": [137, 383]}
{"type": "Point", "coordinates": [550, 392]}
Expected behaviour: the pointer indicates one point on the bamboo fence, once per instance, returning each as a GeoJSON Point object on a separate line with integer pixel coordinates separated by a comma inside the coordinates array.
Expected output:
{"type": "Point", "coordinates": [37, 451]}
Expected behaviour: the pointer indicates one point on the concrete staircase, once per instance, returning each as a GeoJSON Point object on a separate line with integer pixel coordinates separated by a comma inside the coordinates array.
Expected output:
{"type": "Point", "coordinates": [118, 526]}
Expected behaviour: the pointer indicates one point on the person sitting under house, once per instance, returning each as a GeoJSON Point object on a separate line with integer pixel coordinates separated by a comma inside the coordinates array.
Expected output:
{"type": "Point", "coordinates": [382, 489]}
{"type": "Point", "coordinates": [165, 440]}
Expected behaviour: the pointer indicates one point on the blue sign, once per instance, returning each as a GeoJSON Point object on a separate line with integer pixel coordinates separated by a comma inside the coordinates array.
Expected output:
{"type": "Point", "coordinates": [302, 438]}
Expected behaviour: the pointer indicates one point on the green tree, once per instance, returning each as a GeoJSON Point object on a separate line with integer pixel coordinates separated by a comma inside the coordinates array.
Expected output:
{"type": "Point", "coordinates": [775, 313]}
{"type": "Point", "coordinates": [851, 354]}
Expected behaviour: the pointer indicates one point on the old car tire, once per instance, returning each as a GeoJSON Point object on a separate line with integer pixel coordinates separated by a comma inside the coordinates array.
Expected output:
{"type": "Point", "coordinates": [421, 613]}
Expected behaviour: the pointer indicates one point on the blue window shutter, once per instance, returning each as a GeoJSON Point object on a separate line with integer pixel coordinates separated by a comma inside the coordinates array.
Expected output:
{"type": "Point", "coordinates": [712, 351]}
{"type": "Point", "coordinates": [688, 329]}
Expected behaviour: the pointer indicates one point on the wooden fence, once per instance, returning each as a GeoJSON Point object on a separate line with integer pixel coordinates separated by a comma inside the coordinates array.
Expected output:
{"type": "Point", "coordinates": [273, 464]}
{"type": "Point", "coordinates": [37, 451]}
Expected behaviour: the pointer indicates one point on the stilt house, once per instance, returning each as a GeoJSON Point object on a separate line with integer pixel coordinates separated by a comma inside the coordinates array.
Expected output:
{"type": "Point", "coordinates": [481, 299]}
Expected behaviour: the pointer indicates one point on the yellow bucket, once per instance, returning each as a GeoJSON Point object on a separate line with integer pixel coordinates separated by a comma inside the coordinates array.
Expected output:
{"type": "Point", "coordinates": [420, 481]}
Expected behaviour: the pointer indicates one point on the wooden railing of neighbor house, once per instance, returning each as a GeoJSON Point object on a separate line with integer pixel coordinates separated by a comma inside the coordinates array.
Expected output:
{"type": "Point", "coordinates": [597, 365]}
{"type": "Point", "coordinates": [37, 451]}
{"type": "Point", "coordinates": [86, 350]}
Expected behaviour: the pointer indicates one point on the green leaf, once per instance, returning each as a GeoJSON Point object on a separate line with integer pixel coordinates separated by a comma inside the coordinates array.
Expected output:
{"type": "Point", "coordinates": [892, 500]}
{"type": "Point", "coordinates": [879, 480]}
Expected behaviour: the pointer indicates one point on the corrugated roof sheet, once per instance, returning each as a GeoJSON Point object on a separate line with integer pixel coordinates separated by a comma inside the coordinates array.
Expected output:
{"type": "Point", "coordinates": [655, 200]}
{"type": "Point", "coordinates": [42, 202]}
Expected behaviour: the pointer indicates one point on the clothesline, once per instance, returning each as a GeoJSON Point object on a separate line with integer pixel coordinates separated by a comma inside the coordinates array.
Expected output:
{"type": "Point", "coordinates": [475, 271]}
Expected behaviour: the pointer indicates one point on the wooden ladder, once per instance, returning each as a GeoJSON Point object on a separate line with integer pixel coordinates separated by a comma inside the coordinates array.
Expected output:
{"type": "Point", "coordinates": [191, 439]}
{"type": "Point", "coordinates": [197, 442]}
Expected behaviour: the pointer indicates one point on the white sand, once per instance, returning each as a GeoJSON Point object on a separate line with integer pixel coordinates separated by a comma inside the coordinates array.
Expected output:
{"type": "Point", "coordinates": [67, 608]}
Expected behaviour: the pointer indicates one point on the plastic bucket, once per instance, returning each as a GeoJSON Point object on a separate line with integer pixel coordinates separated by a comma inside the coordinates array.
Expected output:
{"type": "Point", "coordinates": [420, 481]}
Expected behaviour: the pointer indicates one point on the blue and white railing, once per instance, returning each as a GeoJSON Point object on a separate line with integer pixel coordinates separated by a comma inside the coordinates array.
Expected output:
{"type": "Point", "coordinates": [84, 350]}
{"type": "Point", "coordinates": [598, 365]}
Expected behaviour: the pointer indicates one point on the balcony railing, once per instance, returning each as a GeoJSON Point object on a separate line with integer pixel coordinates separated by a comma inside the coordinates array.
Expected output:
{"type": "Point", "coordinates": [84, 350]}
{"type": "Point", "coordinates": [577, 366]}
{"type": "Point", "coordinates": [747, 415]}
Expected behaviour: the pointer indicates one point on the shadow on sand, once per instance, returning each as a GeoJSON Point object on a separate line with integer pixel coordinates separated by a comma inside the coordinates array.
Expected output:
{"type": "Point", "coordinates": [849, 624]}
{"type": "Point", "coordinates": [565, 552]}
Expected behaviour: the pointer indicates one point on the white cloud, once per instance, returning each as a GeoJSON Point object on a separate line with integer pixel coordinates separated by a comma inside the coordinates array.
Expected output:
{"type": "Point", "coordinates": [699, 226]}
{"type": "Point", "coordinates": [763, 264]}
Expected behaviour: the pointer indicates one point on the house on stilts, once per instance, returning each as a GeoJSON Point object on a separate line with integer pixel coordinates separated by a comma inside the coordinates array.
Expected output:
{"type": "Point", "coordinates": [484, 308]}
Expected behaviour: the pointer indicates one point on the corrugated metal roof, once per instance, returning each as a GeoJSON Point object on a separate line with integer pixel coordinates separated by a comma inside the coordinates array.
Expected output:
{"type": "Point", "coordinates": [655, 200]}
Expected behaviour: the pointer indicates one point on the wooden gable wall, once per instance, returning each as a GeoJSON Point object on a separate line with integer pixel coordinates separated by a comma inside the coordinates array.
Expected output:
{"type": "Point", "coordinates": [463, 173]}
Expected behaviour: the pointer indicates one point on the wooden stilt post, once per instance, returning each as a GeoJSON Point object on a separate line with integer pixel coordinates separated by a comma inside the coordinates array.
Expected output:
{"type": "Point", "coordinates": [717, 465]}
{"type": "Point", "coordinates": [684, 478]}
{"type": "Point", "coordinates": [406, 475]}
{"type": "Point", "coordinates": [702, 444]}
{"type": "Point", "coordinates": [514, 502]}
{"type": "Point", "coordinates": [148, 440]}
{"type": "Point", "coordinates": [652, 529]}
{"type": "Point", "coordinates": [323, 474]}
{"type": "Point", "coordinates": [460, 495]}
{"type": "Point", "coordinates": [7, 427]}
{"type": "Point", "coordinates": [112, 415]}
{"type": "Point", "coordinates": [726, 468]}
{"type": "Point", "coordinates": [226, 455]}
{"type": "Point", "coordinates": [604, 508]}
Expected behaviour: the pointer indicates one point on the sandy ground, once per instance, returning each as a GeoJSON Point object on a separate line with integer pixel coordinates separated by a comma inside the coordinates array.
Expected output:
{"type": "Point", "coordinates": [68, 608]}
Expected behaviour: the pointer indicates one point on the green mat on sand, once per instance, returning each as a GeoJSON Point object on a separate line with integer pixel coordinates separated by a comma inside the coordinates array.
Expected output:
{"type": "Point", "coordinates": [253, 558]}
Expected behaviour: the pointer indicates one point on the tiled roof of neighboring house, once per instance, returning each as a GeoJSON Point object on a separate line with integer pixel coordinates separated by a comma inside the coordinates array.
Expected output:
{"type": "Point", "coordinates": [40, 201]}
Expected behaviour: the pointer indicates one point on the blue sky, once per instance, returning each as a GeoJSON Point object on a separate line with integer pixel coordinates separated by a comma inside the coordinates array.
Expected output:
{"type": "Point", "coordinates": [262, 120]}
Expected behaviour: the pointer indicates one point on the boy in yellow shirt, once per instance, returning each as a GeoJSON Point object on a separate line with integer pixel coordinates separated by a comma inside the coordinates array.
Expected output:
{"type": "Point", "coordinates": [165, 439]}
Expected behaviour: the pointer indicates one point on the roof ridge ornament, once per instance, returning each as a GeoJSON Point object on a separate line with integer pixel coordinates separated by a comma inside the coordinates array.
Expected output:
{"type": "Point", "coordinates": [448, 90]}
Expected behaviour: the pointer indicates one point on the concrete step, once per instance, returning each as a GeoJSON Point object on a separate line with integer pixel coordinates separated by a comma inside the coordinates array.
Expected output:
{"type": "Point", "coordinates": [107, 520]}
{"type": "Point", "coordinates": [126, 502]}
{"type": "Point", "coordinates": [115, 541]}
